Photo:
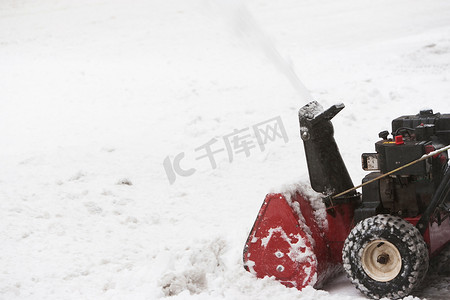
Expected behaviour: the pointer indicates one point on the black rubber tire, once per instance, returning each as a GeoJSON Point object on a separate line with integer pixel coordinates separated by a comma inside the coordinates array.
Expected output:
{"type": "Point", "coordinates": [399, 234]}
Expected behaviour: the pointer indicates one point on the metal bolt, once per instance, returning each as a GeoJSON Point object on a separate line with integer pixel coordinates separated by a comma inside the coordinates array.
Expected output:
{"type": "Point", "coordinates": [280, 268]}
{"type": "Point", "coordinates": [279, 254]}
{"type": "Point", "coordinates": [305, 135]}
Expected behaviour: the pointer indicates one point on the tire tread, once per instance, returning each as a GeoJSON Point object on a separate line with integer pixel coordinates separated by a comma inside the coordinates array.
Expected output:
{"type": "Point", "coordinates": [374, 228]}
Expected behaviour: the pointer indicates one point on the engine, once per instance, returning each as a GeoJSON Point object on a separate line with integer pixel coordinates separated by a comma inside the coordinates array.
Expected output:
{"type": "Point", "coordinates": [407, 192]}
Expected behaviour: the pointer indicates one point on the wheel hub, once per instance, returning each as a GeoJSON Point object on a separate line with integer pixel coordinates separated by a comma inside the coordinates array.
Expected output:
{"type": "Point", "coordinates": [381, 260]}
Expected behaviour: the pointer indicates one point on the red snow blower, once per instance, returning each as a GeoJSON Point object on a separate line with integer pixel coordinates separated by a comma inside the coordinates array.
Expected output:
{"type": "Point", "coordinates": [384, 236]}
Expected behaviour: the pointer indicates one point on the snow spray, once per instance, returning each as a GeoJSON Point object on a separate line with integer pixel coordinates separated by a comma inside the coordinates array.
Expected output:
{"type": "Point", "coordinates": [247, 28]}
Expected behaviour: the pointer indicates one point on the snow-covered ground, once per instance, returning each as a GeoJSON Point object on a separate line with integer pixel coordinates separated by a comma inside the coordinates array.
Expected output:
{"type": "Point", "coordinates": [100, 100]}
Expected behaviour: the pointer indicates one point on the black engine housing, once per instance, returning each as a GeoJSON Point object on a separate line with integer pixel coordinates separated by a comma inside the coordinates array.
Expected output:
{"type": "Point", "coordinates": [407, 192]}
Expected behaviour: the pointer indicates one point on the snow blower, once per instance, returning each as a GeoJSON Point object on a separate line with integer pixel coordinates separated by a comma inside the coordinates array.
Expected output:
{"type": "Point", "coordinates": [384, 236]}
